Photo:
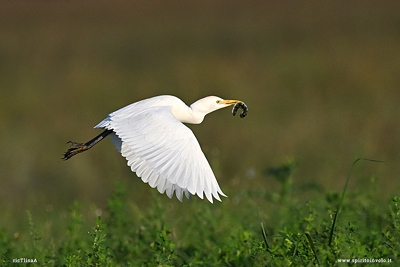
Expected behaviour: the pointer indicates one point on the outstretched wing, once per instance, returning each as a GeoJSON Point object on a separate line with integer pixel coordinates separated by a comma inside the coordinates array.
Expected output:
{"type": "Point", "coordinates": [163, 152]}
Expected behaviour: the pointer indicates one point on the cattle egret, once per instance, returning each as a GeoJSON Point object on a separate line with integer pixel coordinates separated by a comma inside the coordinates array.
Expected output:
{"type": "Point", "coordinates": [159, 148]}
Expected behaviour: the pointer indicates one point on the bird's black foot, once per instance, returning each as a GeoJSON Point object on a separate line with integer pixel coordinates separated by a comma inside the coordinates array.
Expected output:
{"type": "Point", "coordinates": [76, 148]}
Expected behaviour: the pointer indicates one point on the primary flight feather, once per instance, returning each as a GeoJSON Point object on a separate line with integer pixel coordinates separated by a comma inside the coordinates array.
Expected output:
{"type": "Point", "coordinates": [159, 148]}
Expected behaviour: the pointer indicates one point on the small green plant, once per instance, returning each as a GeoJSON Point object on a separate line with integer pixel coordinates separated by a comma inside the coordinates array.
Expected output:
{"type": "Point", "coordinates": [164, 249]}
{"type": "Point", "coordinates": [98, 256]}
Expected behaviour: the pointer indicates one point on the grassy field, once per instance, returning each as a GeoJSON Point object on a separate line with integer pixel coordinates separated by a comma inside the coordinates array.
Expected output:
{"type": "Point", "coordinates": [284, 231]}
{"type": "Point", "coordinates": [321, 80]}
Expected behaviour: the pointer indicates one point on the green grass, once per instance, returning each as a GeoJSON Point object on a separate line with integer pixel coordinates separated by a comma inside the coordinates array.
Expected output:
{"type": "Point", "coordinates": [299, 233]}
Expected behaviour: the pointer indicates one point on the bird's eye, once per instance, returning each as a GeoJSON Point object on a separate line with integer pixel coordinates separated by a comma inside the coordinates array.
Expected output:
{"type": "Point", "coordinates": [218, 101]}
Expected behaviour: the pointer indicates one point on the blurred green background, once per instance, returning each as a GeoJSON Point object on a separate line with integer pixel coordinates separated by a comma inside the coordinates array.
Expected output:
{"type": "Point", "coordinates": [321, 80]}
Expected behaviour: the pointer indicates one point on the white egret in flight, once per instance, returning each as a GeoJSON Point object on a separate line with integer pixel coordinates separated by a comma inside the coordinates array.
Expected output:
{"type": "Point", "coordinates": [159, 148]}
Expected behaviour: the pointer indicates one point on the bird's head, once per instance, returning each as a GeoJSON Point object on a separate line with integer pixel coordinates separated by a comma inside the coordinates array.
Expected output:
{"type": "Point", "coordinates": [211, 103]}
{"type": "Point", "coordinates": [206, 105]}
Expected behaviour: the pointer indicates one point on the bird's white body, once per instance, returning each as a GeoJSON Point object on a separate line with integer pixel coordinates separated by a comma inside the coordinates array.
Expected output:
{"type": "Point", "coordinates": [163, 151]}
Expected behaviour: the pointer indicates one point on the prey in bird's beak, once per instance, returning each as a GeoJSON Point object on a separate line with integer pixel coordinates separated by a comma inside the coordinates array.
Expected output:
{"type": "Point", "coordinates": [237, 104]}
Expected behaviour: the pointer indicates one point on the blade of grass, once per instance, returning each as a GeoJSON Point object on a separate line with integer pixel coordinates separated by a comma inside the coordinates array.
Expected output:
{"type": "Point", "coordinates": [264, 235]}
{"type": "Point", "coordinates": [263, 230]}
{"type": "Point", "coordinates": [310, 241]}
{"type": "Point", "coordinates": [342, 197]}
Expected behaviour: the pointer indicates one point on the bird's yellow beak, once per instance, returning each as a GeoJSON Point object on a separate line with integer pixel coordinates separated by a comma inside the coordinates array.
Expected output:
{"type": "Point", "coordinates": [228, 102]}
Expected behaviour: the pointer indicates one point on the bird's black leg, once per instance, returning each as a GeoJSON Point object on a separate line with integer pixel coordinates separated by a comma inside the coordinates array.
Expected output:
{"type": "Point", "coordinates": [77, 148]}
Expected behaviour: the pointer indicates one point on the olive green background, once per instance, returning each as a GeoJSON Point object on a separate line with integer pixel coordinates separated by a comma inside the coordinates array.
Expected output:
{"type": "Point", "coordinates": [321, 80]}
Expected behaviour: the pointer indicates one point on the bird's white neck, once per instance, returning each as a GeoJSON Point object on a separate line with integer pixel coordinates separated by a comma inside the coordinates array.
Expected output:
{"type": "Point", "coordinates": [188, 115]}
